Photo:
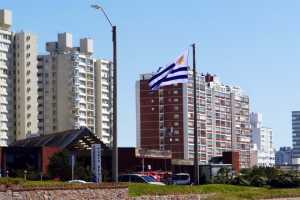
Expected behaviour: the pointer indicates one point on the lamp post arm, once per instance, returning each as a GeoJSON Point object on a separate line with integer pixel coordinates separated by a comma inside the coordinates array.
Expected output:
{"type": "Point", "coordinates": [97, 7]}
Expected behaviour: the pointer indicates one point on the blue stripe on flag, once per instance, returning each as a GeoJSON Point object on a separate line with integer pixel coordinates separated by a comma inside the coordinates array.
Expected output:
{"type": "Point", "coordinates": [161, 72]}
{"type": "Point", "coordinates": [156, 84]}
{"type": "Point", "coordinates": [179, 69]}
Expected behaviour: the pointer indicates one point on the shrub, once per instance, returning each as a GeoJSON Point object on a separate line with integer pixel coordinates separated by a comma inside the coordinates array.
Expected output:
{"type": "Point", "coordinates": [258, 181]}
{"type": "Point", "coordinates": [240, 180]}
{"type": "Point", "coordinates": [223, 176]}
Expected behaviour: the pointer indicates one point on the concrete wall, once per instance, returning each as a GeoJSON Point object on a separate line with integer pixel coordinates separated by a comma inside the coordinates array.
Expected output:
{"type": "Point", "coordinates": [84, 194]}
{"type": "Point", "coordinates": [65, 194]}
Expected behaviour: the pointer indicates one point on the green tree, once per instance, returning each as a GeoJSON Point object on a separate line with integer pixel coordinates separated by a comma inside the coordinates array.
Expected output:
{"type": "Point", "coordinates": [59, 166]}
{"type": "Point", "coordinates": [223, 176]}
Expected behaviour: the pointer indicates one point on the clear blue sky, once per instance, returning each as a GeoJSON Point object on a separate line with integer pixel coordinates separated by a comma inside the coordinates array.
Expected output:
{"type": "Point", "coordinates": [254, 44]}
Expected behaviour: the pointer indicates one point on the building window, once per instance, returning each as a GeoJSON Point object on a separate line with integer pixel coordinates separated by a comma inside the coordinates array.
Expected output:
{"type": "Point", "coordinates": [176, 108]}
{"type": "Point", "coordinates": [28, 124]}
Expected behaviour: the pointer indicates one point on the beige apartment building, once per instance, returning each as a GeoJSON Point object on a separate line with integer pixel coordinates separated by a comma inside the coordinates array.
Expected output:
{"type": "Point", "coordinates": [42, 94]}
{"type": "Point", "coordinates": [18, 82]}
{"type": "Point", "coordinates": [25, 73]}
{"type": "Point", "coordinates": [73, 88]}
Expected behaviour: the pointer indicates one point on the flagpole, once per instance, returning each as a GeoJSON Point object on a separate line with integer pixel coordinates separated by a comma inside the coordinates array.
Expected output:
{"type": "Point", "coordinates": [196, 162]}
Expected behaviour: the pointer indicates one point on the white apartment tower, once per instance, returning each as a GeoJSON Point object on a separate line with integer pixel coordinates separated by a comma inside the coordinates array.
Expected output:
{"type": "Point", "coordinates": [18, 82]}
{"type": "Point", "coordinates": [65, 89]}
{"type": "Point", "coordinates": [66, 86]}
{"type": "Point", "coordinates": [261, 138]}
{"type": "Point", "coordinates": [25, 68]}
{"type": "Point", "coordinates": [104, 99]}
{"type": "Point", "coordinates": [5, 64]}
{"type": "Point", "coordinates": [73, 88]}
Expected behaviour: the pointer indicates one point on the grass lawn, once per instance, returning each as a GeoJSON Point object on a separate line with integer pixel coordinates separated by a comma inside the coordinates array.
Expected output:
{"type": "Point", "coordinates": [217, 191]}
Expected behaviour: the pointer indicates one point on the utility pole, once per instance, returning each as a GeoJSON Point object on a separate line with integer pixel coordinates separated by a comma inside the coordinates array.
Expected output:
{"type": "Point", "coordinates": [196, 162]}
{"type": "Point", "coordinates": [115, 124]}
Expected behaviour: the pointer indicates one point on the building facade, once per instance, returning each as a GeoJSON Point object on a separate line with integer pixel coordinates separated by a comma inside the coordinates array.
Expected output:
{"type": "Point", "coordinates": [284, 156]}
{"type": "Point", "coordinates": [261, 139]}
{"type": "Point", "coordinates": [104, 99]}
{"type": "Point", "coordinates": [70, 80]}
{"type": "Point", "coordinates": [26, 87]}
{"type": "Point", "coordinates": [6, 101]}
{"type": "Point", "coordinates": [41, 94]}
{"type": "Point", "coordinates": [18, 74]}
{"type": "Point", "coordinates": [165, 119]}
{"type": "Point", "coordinates": [296, 136]}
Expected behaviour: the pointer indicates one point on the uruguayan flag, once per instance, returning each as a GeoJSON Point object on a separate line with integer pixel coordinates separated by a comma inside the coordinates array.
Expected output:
{"type": "Point", "coordinates": [176, 72]}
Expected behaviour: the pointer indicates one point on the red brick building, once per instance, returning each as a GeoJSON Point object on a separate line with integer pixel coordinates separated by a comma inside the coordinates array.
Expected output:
{"type": "Point", "coordinates": [165, 119]}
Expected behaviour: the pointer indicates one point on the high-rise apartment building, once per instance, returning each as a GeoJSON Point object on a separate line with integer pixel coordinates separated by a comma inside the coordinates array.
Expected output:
{"type": "Point", "coordinates": [65, 89]}
{"type": "Point", "coordinates": [72, 86]}
{"type": "Point", "coordinates": [25, 68]}
{"type": "Point", "coordinates": [5, 84]}
{"type": "Point", "coordinates": [284, 156]}
{"type": "Point", "coordinates": [296, 136]}
{"type": "Point", "coordinates": [261, 139]}
{"type": "Point", "coordinates": [165, 119]}
{"type": "Point", "coordinates": [18, 93]}
{"type": "Point", "coordinates": [104, 99]}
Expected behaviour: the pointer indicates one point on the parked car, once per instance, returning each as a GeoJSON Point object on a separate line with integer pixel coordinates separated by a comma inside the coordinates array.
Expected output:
{"type": "Point", "coordinates": [77, 181]}
{"type": "Point", "coordinates": [181, 179]}
{"type": "Point", "coordinates": [136, 178]}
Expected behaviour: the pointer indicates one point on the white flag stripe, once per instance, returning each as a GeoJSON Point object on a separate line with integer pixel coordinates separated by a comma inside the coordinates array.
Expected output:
{"type": "Point", "coordinates": [160, 77]}
{"type": "Point", "coordinates": [176, 72]}
{"type": "Point", "coordinates": [174, 82]}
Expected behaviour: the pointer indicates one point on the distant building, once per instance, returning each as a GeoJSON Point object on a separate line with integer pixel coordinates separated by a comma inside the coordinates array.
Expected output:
{"type": "Point", "coordinates": [261, 139]}
{"type": "Point", "coordinates": [284, 156]}
{"type": "Point", "coordinates": [253, 155]}
{"type": "Point", "coordinates": [296, 136]}
{"type": "Point", "coordinates": [165, 119]}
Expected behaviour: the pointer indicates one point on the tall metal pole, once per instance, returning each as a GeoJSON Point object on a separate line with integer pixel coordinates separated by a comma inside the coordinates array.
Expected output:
{"type": "Point", "coordinates": [115, 135]}
{"type": "Point", "coordinates": [196, 162]}
{"type": "Point", "coordinates": [115, 124]}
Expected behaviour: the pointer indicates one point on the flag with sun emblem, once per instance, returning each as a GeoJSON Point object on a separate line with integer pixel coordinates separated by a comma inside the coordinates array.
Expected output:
{"type": "Point", "coordinates": [176, 72]}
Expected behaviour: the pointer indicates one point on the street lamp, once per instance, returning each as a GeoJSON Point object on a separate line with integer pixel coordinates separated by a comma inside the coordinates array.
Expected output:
{"type": "Point", "coordinates": [115, 144]}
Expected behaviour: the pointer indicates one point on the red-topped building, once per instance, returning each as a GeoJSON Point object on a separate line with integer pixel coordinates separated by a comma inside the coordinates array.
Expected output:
{"type": "Point", "coordinates": [165, 119]}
